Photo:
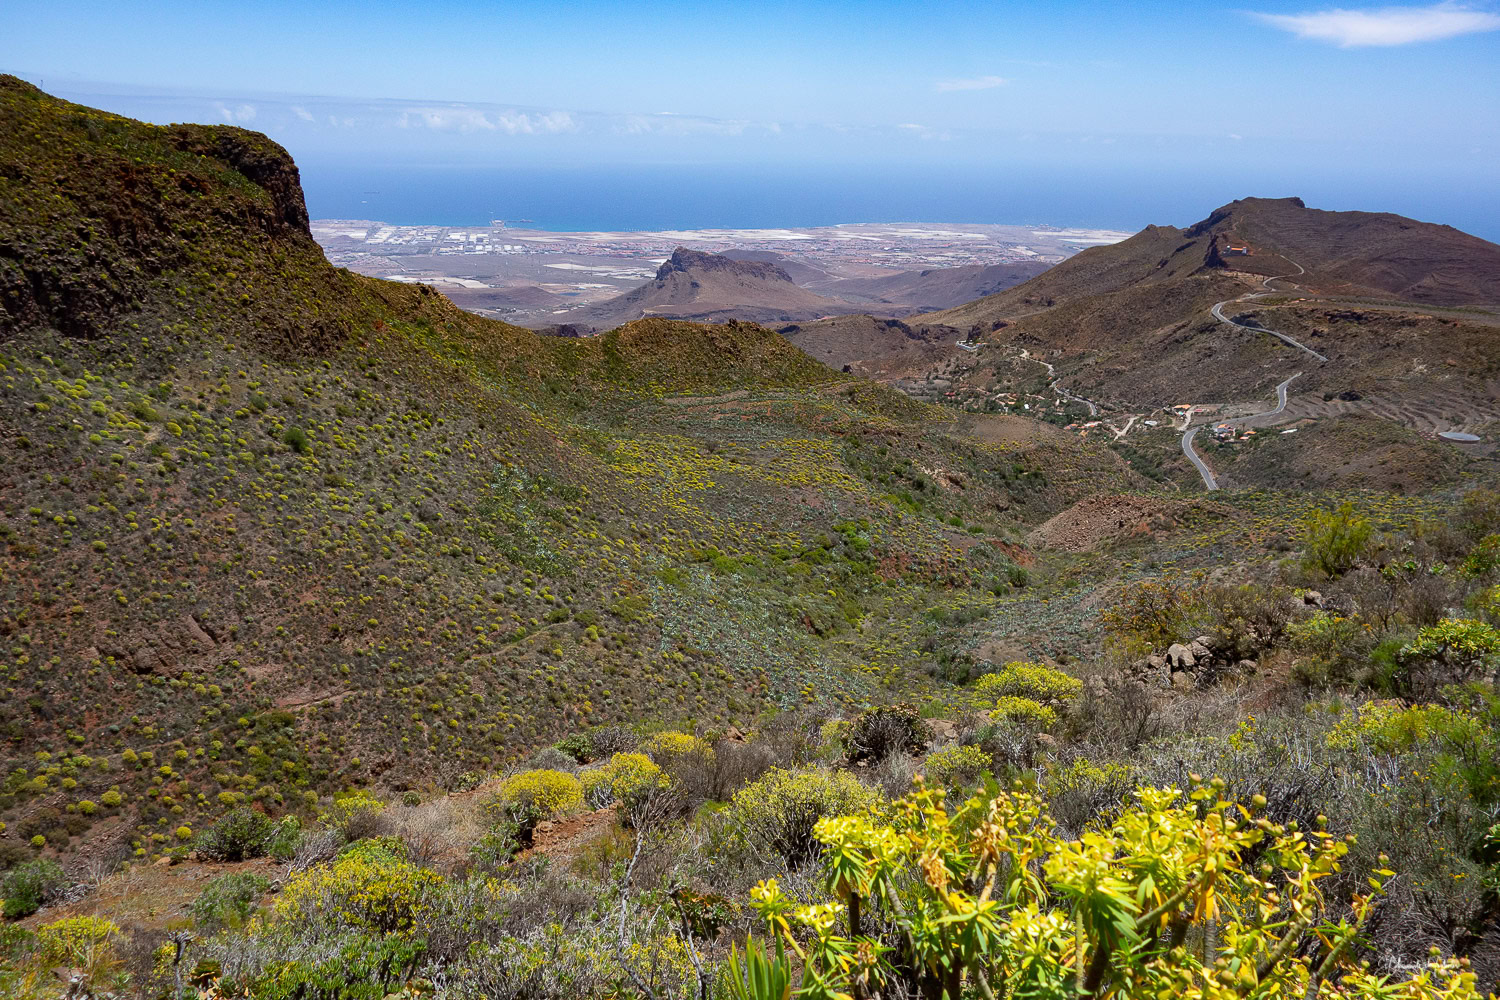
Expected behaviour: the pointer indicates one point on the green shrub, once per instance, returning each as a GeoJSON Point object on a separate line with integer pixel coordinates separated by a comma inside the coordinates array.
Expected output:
{"type": "Point", "coordinates": [15, 943]}
{"type": "Point", "coordinates": [1336, 648]}
{"type": "Point", "coordinates": [881, 732]}
{"type": "Point", "coordinates": [579, 746]}
{"type": "Point", "coordinates": [1453, 651]}
{"type": "Point", "coordinates": [284, 839]}
{"type": "Point", "coordinates": [364, 967]}
{"type": "Point", "coordinates": [228, 901]}
{"type": "Point", "coordinates": [777, 812]}
{"type": "Point", "coordinates": [26, 887]}
{"type": "Point", "coordinates": [1030, 680]}
{"type": "Point", "coordinates": [1333, 541]}
{"type": "Point", "coordinates": [1484, 559]}
{"type": "Point", "coordinates": [961, 764]}
{"type": "Point", "coordinates": [296, 438]}
{"type": "Point", "coordinates": [240, 834]}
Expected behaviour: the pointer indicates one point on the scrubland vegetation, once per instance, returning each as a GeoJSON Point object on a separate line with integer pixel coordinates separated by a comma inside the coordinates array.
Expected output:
{"type": "Point", "coordinates": [1311, 806]}
{"type": "Point", "coordinates": [373, 649]}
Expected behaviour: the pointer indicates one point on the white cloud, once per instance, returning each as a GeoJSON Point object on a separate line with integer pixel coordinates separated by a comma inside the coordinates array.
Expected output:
{"type": "Point", "coordinates": [1385, 25]}
{"type": "Point", "coordinates": [465, 119]}
{"type": "Point", "coordinates": [971, 83]}
{"type": "Point", "coordinates": [302, 113]}
{"type": "Point", "coordinates": [243, 113]}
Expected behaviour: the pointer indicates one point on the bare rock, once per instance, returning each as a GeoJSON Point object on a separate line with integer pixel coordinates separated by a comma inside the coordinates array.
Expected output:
{"type": "Point", "coordinates": [943, 729]}
{"type": "Point", "coordinates": [1181, 657]}
{"type": "Point", "coordinates": [1312, 599]}
{"type": "Point", "coordinates": [1183, 681]}
{"type": "Point", "coordinates": [1201, 653]}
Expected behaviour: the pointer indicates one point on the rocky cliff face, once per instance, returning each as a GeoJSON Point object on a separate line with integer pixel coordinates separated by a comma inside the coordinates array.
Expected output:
{"type": "Point", "coordinates": [684, 261]}
{"type": "Point", "coordinates": [105, 220]}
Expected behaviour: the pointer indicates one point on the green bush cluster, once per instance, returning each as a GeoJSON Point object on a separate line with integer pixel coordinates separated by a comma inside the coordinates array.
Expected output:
{"type": "Point", "coordinates": [777, 812]}
{"type": "Point", "coordinates": [241, 834]}
{"type": "Point", "coordinates": [227, 901]}
{"type": "Point", "coordinates": [27, 886]}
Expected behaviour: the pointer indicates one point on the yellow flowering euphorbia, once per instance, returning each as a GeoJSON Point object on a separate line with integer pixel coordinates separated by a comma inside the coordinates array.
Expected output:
{"type": "Point", "coordinates": [1185, 896]}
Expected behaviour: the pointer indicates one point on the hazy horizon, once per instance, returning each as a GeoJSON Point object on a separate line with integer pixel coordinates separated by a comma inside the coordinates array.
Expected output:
{"type": "Point", "coordinates": [1066, 115]}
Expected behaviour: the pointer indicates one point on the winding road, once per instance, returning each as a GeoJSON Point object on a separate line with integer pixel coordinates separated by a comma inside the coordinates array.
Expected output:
{"type": "Point", "coordinates": [1057, 388]}
{"type": "Point", "coordinates": [1218, 309]}
{"type": "Point", "coordinates": [1189, 432]}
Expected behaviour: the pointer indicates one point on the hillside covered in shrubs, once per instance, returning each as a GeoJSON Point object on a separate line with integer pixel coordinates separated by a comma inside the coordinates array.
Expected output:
{"type": "Point", "coordinates": [359, 647]}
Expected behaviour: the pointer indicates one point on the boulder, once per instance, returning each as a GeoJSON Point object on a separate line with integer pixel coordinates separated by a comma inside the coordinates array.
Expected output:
{"type": "Point", "coordinates": [1183, 681]}
{"type": "Point", "coordinates": [944, 730]}
{"type": "Point", "coordinates": [1201, 653]}
{"type": "Point", "coordinates": [1247, 666]}
{"type": "Point", "coordinates": [1181, 657]}
{"type": "Point", "coordinates": [1312, 599]}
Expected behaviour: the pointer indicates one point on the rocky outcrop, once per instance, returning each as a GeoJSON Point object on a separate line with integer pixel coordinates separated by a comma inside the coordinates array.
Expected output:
{"type": "Point", "coordinates": [1186, 666]}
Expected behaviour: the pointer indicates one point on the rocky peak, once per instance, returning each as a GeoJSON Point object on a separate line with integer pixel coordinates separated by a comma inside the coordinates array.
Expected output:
{"type": "Point", "coordinates": [685, 261]}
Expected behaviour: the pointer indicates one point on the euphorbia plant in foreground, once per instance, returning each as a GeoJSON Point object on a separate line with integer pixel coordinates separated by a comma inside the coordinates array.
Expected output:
{"type": "Point", "coordinates": [1185, 895]}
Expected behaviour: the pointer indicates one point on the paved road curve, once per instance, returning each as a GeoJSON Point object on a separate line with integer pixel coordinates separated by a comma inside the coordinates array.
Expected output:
{"type": "Point", "coordinates": [1189, 432]}
{"type": "Point", "coordinates": [1187, 449]}
{"type": "Point", "coordinates": [1218, 310]}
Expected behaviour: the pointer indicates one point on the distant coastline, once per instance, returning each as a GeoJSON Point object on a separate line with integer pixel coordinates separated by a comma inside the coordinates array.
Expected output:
{"type": "Point", "coordinates": [654, 198]}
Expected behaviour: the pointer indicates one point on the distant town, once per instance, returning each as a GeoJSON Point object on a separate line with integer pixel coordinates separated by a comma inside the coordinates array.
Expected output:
{"type": "Point", "coordinates": [512, 272]}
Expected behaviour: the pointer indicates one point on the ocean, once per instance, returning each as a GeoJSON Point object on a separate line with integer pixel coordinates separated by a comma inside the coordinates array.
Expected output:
{"type": "Point", "coordinates": [679, 196]}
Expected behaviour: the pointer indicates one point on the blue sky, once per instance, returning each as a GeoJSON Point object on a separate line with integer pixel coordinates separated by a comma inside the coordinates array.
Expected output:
{"type": "Point", "coordinates": [1385, 97]}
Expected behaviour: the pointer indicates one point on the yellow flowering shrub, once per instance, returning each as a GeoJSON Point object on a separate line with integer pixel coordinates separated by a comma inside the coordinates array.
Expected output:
{"type": "Point", "coordinates": [529, 797]}
{"type": "Point", "coordinates": [1190, 896]}
{"type": "Point", "coordinates": [1024, 711]}
{"type": "Point", "coordinates": [349, 811]}
{"type": "Point", "coordinates": [667, 746]}
{"type": "Point", "coordinates": [1084, 774]}
{"type": "Point", "coordinates": [624, 777]}
{"type": "Point", "coordinates": [1023, 679]}
{"type": "Point", "coordinates": [370, 886]}
{"type": "Point", "coordinates": [1392, 727]}
{"type": "Point", "coordinates": [76, 942]}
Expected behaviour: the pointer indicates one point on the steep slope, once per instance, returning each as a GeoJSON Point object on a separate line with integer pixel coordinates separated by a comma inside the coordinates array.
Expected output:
{"type": "Point", "coordinates": [710, 288]}
{"type": "Point", "coordinates": [933, 288]}
{"type": "Point", "coordinates": [876, 348]}
{"type": "Point", "coordinates": [1340, 253]}
{"type": "Point", "coordinates": [258, 543]}
{"type": "Point", "coordinates": [1130, 325]}
{"type": "Point", "coordinates": [110, 216]}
